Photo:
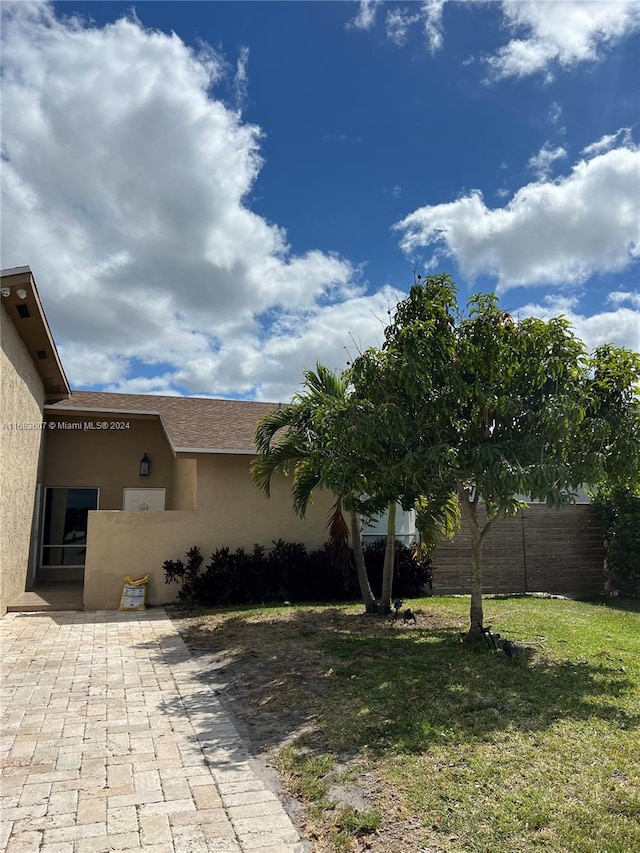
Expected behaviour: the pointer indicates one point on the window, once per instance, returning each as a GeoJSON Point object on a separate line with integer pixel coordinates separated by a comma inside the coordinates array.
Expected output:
{"type": "Point", "coordinates": [64, 539]}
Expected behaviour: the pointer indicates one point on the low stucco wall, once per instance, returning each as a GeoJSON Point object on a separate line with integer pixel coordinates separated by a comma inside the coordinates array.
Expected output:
{"type": "Point", "coordinates": [21, 402]}
{"type": "Point", "coordinates": [231, 512]}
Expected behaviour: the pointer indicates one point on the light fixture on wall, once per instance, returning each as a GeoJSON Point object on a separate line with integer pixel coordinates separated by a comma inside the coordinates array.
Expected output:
{"type": "Point", "coordinates": [145, 465]}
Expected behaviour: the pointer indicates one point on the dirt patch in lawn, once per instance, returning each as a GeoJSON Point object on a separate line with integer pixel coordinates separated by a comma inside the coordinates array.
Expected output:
{"type": "Point", "coordinates": [273, 669]}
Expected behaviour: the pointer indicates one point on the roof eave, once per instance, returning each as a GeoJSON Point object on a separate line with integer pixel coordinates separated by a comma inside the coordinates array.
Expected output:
{"type": "Point", "coordinates": [36, 337]}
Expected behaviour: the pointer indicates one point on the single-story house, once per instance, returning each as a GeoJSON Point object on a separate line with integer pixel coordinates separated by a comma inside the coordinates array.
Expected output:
{"type": "Point", "coordinates": [98, 486]}
{"type": "Point", "coordinates": [95, 487]}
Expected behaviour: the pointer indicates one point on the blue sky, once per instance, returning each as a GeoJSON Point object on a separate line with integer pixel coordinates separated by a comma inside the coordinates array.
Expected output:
{"type": "Point", "coordinates": [213, 196]}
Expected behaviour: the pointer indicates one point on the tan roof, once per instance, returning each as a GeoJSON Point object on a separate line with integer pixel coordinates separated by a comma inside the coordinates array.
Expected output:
{"type": "Point", "coordinates": [191, 423]}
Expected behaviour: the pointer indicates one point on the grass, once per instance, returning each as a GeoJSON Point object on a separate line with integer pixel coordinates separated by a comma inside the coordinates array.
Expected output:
{"type": "Point", "coordinates": [446, 747]}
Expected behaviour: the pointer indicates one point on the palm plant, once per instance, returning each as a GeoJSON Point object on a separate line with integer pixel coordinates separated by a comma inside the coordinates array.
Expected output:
{"type": "Point", "coordinates": [289, 441]}
{"type": "Point", "coordinates": [436, 519]}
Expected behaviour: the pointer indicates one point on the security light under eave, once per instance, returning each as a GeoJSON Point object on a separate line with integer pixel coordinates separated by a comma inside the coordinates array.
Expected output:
{"type": "Point", "coordinates": [20, 292]}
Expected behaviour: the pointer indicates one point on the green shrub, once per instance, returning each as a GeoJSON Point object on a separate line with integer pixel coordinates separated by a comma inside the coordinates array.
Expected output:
{"type": "Point", "coordinates": [619, 510]}
{"type": "Point", "coordinates": [288, 571]}
{"type": "Point", "coordinates": [186, 575]}
{"type": "Point", "coordinates": [410, 576]}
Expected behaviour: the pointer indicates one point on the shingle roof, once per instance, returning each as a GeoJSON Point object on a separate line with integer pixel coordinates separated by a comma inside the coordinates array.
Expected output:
{"type": "Point", "coordinates": [191, 423]}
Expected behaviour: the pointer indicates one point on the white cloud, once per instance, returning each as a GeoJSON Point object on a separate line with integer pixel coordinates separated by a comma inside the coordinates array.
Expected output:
{"type": "Point", "coordinates": [83, 364]}
{"type": "Point", "coordinates": [555, 112]}
{"type": "Point", "coordinates": [134, 215]}
{"type": "Point", "coordinates": [271, 369]}
{"type": "Point", "coordinates": [545, 33]}
{"type": "Point", "coordinates": [618, 297]}
{"type": "Point", "coordinates": [540, 164]}
{"type": "Point", "coordinates": [366, 17]}
{"type": "Point", "coordinates": [609, 141]}
{"type": "Point", "coordinates": [620, 327]}
{"type": "Point", "coordinates": [563, 33]}
{"type": "Point", "coordinates": [399, 20]}
{"type": "Point", "coordinates": [432, 11]}
{"type": "Point", "coordinates": [557, 232]}
{"type": "Point", "coordinates": [155, 385]}
{"type": "Point", "coordinates": [397, 23]}
{"type": "Point", "coordinates": [241, 79]}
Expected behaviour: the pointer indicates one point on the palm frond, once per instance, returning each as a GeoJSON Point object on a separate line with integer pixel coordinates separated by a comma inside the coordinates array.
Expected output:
{"type": "Point", "coordinates": [287, 439]}
{"type": "Point", "coordinates": [271, 424]}
{"type": "Point", "coordinates": [323, 382]}
{"type": "Point", "coordinates": [436, 519]}
{"type": "Point", "coordinates": [262, 469]}
{"type": "Point", "coordinates": [306, 478]}
{"type": "Point", "coordinates": [336, 525]}
{"type": "Point", "coordinates": [278, 459]}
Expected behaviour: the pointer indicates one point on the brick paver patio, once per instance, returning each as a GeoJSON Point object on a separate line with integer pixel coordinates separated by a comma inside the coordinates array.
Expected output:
{"type": "Point", "coordinates": [112, 739]}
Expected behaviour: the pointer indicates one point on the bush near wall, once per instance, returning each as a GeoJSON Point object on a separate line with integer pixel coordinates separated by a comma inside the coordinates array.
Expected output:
{"type": "Point", "coordinates": [288, 571]}
{"type": "Point", "coordinates": [619, 510]}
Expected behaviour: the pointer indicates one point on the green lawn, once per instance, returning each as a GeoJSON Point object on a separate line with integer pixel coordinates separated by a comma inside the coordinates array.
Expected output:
{"type": "Point", "coordinates": [446, 747]}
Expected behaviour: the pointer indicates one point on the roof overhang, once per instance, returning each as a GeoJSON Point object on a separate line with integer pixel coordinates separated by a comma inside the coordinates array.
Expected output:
{"type": "Point", "coordinates": [70, 411]}
{"type": "Point", "coordinates": [22, 303]}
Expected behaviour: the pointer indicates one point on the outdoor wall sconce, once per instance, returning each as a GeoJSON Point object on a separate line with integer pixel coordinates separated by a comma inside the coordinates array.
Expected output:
{"type": "Point", "coordinates": [144, 466]}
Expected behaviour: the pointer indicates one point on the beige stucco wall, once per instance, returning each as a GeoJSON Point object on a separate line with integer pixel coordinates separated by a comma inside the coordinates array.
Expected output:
{"type": "Point", "coordinates": [21, 401]}
{"type": "Point", "coordinates": [231, 512]}
{"type": "Point", "coordinates": [185, 482]}
{"type": "Point", "coordinates": [80, 454]}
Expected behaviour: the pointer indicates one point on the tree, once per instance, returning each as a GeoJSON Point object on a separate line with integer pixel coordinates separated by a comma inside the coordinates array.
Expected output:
{"type": "Point", "coordinates": [362, 452]}
{"type": "Point", "coordinates": [494, 409]}
{"type": "Point", "coordinates": [332, 437]}
{"type": "Point", "coordinates": [385, 423]}
{"type": "Point", "coordinates": [617, 490]}
{"type": "Point", "coordinates": [290, 440]}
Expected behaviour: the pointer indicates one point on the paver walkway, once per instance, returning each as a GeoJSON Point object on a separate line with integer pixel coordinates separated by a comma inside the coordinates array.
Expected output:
{"type": "Point", "coordinates": [112, 740]}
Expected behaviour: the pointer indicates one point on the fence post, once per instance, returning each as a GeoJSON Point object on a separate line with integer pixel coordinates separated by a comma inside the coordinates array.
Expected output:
{"type": "Point", "coordinates": [524, 554]}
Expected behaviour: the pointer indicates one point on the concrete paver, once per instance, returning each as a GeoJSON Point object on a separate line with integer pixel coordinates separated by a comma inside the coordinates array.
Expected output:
{"type": "Point", "coordinates": [111, 739]}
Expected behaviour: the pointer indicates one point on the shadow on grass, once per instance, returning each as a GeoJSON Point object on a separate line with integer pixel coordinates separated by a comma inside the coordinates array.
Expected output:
{"type": "Point", "coordinates": [345, 683]}
{"type": "Point", "coordinates": [629, 605]}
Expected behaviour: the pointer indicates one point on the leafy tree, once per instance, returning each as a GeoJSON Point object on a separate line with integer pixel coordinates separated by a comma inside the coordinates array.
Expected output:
{"type": "Point", "coordinates": [493, 409]}
{"type": "Point", "coordinates": [362, 455]}
{"type": "Point", "coordinates": [291, 440]}
{"type": "Point", "coordinates": [330, 436]}
{"type": "Point", "coordinates": [617, 495]}
{"type": "Point", "coordinates": [386, 422]}
{"type": "Point", "coordinates": [619, 510]}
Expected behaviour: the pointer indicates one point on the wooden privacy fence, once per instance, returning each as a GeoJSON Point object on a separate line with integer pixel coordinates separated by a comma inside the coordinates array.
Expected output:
{"type": "Point", "coordinates": [558, 551]}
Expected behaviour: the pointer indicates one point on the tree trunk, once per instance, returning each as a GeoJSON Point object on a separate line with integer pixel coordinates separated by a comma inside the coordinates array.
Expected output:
{"type": "Point", "coordinates": [389, 561]}
{"type": "Point", "coordinates": [469, 509]}
{"type": "Point", "coordinates": [361, 570]}
{"type": "Point", "coordinates": [476, 613]}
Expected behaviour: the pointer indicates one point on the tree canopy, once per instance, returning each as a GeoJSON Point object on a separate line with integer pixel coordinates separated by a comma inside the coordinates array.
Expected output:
{"type": "Point", "coordinates": [496, 409]}
{"type": "Point", "coordinates": [473, 405]}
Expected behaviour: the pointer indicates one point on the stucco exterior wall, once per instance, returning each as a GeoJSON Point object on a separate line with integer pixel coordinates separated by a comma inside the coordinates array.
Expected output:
{"type": "Point", "coordinates": [80, 451]}
{"type": "Point", "coordinates": [231, 512]}
{"type": "Point", "coordinates": [21, 402]}
{"type": "Point", "coordinates": [185, 483]}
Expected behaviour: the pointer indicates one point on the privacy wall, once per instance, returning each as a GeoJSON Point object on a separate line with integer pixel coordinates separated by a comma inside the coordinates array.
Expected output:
{"type": "Point", "coordinates": [558, 551]}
